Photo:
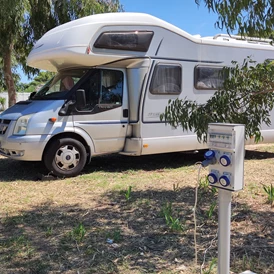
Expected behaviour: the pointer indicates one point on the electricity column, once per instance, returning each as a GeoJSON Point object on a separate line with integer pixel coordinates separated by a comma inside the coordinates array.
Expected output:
{"type": "Point", "coordinates": [225, 161]}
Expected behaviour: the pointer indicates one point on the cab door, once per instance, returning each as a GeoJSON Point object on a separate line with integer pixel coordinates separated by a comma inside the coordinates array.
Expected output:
{"type": "Point", "coordinates": [105, 115]}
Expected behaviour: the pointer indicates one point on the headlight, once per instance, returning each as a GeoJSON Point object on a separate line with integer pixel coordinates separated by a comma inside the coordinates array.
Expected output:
{"type": "Point", "coordinates": [22, 125]}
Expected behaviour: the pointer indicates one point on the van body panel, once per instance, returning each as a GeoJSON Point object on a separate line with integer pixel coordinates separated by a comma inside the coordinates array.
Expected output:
{"type": "Point", "coordinates": [159, 145]}
{"type": "Point", "coordinates": [107, 130]}
{"type": "Point", "coordinates": [29, 107]}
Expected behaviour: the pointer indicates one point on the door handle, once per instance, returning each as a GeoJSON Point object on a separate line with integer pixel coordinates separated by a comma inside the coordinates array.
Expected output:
{"type": "Point", "coordinates": [125, 113]}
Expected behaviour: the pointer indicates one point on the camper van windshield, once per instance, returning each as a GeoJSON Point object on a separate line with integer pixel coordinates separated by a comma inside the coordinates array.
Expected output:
{"type": "Point", "coordinates": [59, 85]}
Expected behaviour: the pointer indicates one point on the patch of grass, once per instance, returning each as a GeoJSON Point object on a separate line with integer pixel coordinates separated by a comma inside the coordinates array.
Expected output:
{"type": "Point", "coordinates": [211, 210]}
{"type": "Point", "coordinates": [175, 224]}
{"type": "Point", "coordinates": [78, 233]}
{"type": "Point", "coordinates": [62, 226]}
{"type": "Point", "coordinates": [253, 190]}
{"type": "Point", "coordinates": [18, 246]}
{"type": "Point", "coordinates": [270, 193]}
{"type": "Point", "coordinates": [172, 222]}
{"type": "Point", "coordinates": [103, 183]}
{"type": "Point", "coordinates": [38, 266]}
{"type": "Point", "coordinates": [212, 267]}
{"type": "Point", "coordinates": [205, 186]}
{"type": "Point", "coordinates": [249, 262]}
{"type": "Point", "coordinates": [49, 231]}
{"type": "Point", "coordinates": [118, 186]}
{"type": "Point", "coordinates": [13, 220]}
{"type": "Point", "coordinates": [128, 193]}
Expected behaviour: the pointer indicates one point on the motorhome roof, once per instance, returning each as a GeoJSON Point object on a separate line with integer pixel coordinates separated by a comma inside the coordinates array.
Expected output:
{"type": "Point", "coordinates": [73, 44]}
{"type": "Point", "coordinates": [133, 18]}
{"type": "Point", "coordinates": [121, 18]}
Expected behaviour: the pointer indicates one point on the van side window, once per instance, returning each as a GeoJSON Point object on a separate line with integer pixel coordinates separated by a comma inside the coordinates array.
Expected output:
{"type": "Point", "coordinates": [206, 77]}
{"type": "Point", "coordinates": [104, 90]}
{"type": "Point", "coordinates": [166, 79]}
{"type": "Point", "coordinates": [112, 87]}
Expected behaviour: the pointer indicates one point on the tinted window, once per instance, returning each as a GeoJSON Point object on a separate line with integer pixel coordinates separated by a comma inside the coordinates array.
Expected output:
{"type": "Point", "coordinates": [166, 79]}
{"type": "Point", "coordinates": [208, 77]}
{"type": "Point", "coordinates": [103, 90]}
{"type": "Point", "coordinates": [128, 40]}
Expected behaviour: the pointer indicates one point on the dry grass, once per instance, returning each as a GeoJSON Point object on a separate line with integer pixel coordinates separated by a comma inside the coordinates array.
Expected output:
{"type": "Point", "coordinates": [63, 226]}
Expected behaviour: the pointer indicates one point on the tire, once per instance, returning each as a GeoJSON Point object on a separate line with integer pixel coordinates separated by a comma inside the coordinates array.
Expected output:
{"type": "Point", "coordinates": [65, 157]}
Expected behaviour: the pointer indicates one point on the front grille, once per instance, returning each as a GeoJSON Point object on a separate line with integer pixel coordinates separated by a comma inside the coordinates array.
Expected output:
{"type": "Point", "coordinates": [4, 124]}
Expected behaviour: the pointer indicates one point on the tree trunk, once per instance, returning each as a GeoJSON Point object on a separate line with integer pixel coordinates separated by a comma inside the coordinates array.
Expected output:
{"type": "Point", "coordinates": [8, 76]}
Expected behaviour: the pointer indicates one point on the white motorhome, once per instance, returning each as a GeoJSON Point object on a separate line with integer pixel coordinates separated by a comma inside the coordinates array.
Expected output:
{"type": "Point", "coordinates": [115, 75]}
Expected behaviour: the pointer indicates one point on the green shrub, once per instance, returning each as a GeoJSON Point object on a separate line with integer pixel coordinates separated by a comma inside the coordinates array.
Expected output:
{"type": "Point", "coordinates": [270, 193]}
{"type": "Point", "coordinates": [2, 102]}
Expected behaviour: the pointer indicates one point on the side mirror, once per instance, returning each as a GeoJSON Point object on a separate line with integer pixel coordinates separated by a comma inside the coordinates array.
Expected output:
{"type": "Point", "coordinates": [66, 108]}
{"type": "Point", "coordinates": [32, 94]}
{"type": "Point", "coordinates": [80, 99]}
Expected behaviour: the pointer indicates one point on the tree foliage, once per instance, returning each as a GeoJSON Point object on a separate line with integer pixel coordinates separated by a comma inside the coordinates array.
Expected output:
{"type": "Point", "coordinates": [11, 18]}
{"type": "Point", "coordinates": [15, 75]}
{"type": "Point", "coordinates": [44, 15]}
{"type": "Point", "coordinates": [247, 97]}
{"type": "Point", "coordinates": [22, 22]}
{"type": "Point", "coordinates": [245, 17]}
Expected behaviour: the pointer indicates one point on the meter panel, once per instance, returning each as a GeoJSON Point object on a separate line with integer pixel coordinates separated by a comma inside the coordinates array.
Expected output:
{"type": "Point", "coordinates": [227, 143]}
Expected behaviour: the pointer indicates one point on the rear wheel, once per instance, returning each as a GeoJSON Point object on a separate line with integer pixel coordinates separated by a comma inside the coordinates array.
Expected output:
{"type": "Point", "coordinates": [65, 157]}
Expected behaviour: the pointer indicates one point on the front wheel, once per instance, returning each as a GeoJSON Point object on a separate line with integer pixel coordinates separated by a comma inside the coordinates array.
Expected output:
{"type": "Point", "coordinates": [65, 157]}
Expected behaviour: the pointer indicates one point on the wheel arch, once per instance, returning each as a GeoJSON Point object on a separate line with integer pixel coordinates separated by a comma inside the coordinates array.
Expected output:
{"type": "Point", "coordinates": [71, 135]}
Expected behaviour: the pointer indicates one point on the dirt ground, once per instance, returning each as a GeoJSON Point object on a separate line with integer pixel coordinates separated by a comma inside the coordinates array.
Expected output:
{"type": "Point", "coordinates": [132, 215]}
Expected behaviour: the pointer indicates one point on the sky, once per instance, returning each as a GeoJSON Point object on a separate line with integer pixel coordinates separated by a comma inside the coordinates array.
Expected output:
{"type": "Point", "coordinates": [184, 14]}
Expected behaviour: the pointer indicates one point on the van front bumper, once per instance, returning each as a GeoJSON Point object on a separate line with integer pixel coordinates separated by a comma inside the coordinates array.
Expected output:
{"type": "Point", "coordinates": [24, 148]}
